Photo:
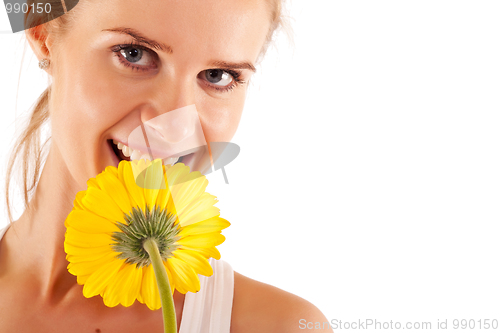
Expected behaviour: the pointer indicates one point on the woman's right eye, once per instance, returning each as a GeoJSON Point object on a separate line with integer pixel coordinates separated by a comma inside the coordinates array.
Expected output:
{"type": "Point", "coordinates": [136, 57]}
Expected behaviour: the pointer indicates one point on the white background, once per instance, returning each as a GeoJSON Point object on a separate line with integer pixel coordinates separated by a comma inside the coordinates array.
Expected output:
{"type": "Point", "coordinates": [369, 175]}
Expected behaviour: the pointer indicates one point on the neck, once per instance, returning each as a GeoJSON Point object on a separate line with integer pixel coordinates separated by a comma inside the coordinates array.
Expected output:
{"type": "Point", "coordinates": [35, 242]}
{"type": "Point", "coordinates": [37, 237]}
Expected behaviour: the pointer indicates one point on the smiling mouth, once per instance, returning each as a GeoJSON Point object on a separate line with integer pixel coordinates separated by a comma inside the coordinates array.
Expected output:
{"type": "Point", "coordinates": [125, 153]}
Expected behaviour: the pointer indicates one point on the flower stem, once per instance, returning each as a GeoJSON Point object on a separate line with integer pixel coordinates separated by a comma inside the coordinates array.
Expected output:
{"type": "Point", "coordinates": [167, 301]}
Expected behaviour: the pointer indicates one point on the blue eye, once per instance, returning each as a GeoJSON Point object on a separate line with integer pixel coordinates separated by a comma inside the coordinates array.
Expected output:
{"type": "Point", "coordinates": [131, 54]}
{"type": "Point", "coordinates": [135, 56]}
{"type": "Point", "coordinates": [222, 80]}
{"type": "Point", "coordinates": [218, 77]}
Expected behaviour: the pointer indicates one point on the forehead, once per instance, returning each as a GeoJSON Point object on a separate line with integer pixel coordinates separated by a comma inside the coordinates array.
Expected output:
{"type": "Point", "coordinates": [219, 28]}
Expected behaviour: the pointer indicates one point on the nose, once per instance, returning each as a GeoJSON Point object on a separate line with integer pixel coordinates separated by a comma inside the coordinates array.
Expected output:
{"type": "Point", "coordinates": [171, 115]}
{"type": "Point", "coordinates": [173, 126]}
{"type": "Point", "coordinates": [170, 122]}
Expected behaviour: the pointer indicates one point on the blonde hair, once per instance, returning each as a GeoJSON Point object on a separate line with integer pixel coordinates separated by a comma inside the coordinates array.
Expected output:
{"type": "Point", "coordinates": [28, 149]}
{"type": "Point", "coordinates": [26, 154]}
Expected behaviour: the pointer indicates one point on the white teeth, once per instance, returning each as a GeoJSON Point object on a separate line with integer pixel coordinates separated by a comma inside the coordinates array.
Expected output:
{"type": "Point", "coordinates": [126, 151]}
{"type": "Point", "coordinates": [138, 155]}
{"type": "Point", "coordinates": [135, 155]}
{"type": "Point", "coordinates": [170, 161]}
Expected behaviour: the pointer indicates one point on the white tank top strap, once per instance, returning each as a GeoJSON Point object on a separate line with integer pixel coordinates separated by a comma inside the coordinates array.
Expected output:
{"type": "Point", "coordinates": [209, 310]}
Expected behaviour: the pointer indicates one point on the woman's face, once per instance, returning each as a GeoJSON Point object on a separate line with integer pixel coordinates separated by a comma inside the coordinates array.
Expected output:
{"type": "Point", "coordinates": [191, 54]}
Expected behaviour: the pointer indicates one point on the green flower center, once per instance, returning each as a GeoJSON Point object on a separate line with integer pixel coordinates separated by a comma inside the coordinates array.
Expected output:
{"type": "Point", "coordinates": [156, 224]}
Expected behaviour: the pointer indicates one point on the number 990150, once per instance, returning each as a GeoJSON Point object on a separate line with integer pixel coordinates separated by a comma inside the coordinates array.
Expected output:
{"type": "Point", "coordinates": [25, 8]}
{"type": "Point", "coordinates": [475, 324]}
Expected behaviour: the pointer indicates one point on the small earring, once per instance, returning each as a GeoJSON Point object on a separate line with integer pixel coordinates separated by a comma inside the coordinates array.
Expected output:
{"type": "Point", "coordinates": [44, 63]}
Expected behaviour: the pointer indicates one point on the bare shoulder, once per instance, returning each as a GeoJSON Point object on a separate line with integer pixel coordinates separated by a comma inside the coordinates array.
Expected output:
{"type": "Point", "coordinates": [260, 307]}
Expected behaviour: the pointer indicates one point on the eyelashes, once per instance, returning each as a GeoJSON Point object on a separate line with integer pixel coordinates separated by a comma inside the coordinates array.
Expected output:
{"type": "Point", "coordinates": [122, 51]}
{"type": "Point", "coordinates": [126, 54]}
{"type": "Point", "coordinates": [206, 76]}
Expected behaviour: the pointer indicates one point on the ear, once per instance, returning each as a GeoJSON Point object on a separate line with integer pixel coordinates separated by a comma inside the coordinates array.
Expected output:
{"type": "Point", "coordinates": [41, 43]}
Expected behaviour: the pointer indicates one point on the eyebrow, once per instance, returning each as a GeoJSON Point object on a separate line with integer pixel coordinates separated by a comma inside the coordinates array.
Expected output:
{"type": "Point", "coordinates": [233, 65]}
{"type": "Point", "coordinates": [140, 38]}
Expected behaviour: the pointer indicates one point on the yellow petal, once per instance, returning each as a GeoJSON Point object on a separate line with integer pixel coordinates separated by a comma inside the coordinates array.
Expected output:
{"type": "Point", "coordinates": [214, 224]}
{"type": "Point", "coordinates": [89, 257]}
{"type": "Point", "coordinates": [207, 252]}
{"type": "Point", "coordinates": [92, 182]}
{"type": "Point", "coordinates": [171, 207]}
{"type": "Point", "coordinates": [184, 186]}
{"type": "Point", "coordinates": [203, 201]}
{"type": "Point", "coordinates": [175, 174]}
{"type": "Point", "coordinates": [188, 192]}
{"type": "Point", "coordinates": [154, 181]}
{"type": "Point", "coordinates": [90, 267]}
{"type": "Point", "coordinates": [78, 200]}
{"type": "Point", "coordinates": [100, 278]}
{"type": "Point", "coordinates": [109, 183]}
{"type": "Point", "coordinates": [163, 198]}
{"type": "Point", "coordinates": [125, 287]}
{"type": "Point", "coordinates": [86, 221]}
{"type": "Point", "coordinates": [195, 260]}
{"type": "Point", "coordinates": [136, 192]}
{"type": "Point", "coordinates": [101, 204]}
{"type": "Point", "coordinates": [202, 240]}
{"type": "Point", "coordinates": [184, 276]}
{"type": "Point", "coordinates": [83, 239]}
{"type": "Point", "coordinates": [135, 288]}
{"type": "Point", "coordinates": [81, 279]}
{"type": "Point", "coordinates": [71, 249]}
{"type": "Point", "coordinates": [110, 169]}
{"type": "Point", "coordinates": [170, 278]}
{"type": "Point", "coordinates": [139, 170]}
{"type": "Point", "coordinates": [121, 166]}
{"type": "Point", "coordinates": [149, 289]}
{"type": "Point", "coordinates": [199, 210]}
{"type": "Point", "coordinates": [206, 214]}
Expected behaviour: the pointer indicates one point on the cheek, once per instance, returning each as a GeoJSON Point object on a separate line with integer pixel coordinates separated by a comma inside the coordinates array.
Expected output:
{"type": "Point", "coordinates": [96, 98]}
{"type": "Point", "coordinates": [81, 117]}
{"type": "Point", "coordinates": [85, 103]}
{"type": "Point", "coordinates": [220, 120]}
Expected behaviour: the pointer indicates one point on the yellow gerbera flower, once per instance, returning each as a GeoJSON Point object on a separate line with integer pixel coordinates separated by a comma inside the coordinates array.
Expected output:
{"type": "Point", "coordinates": [125, 207]}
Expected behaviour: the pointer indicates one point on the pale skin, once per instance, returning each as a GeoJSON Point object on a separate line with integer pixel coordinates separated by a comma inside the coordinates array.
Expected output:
{"type": "Point", "coordinates": [96, 98]}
